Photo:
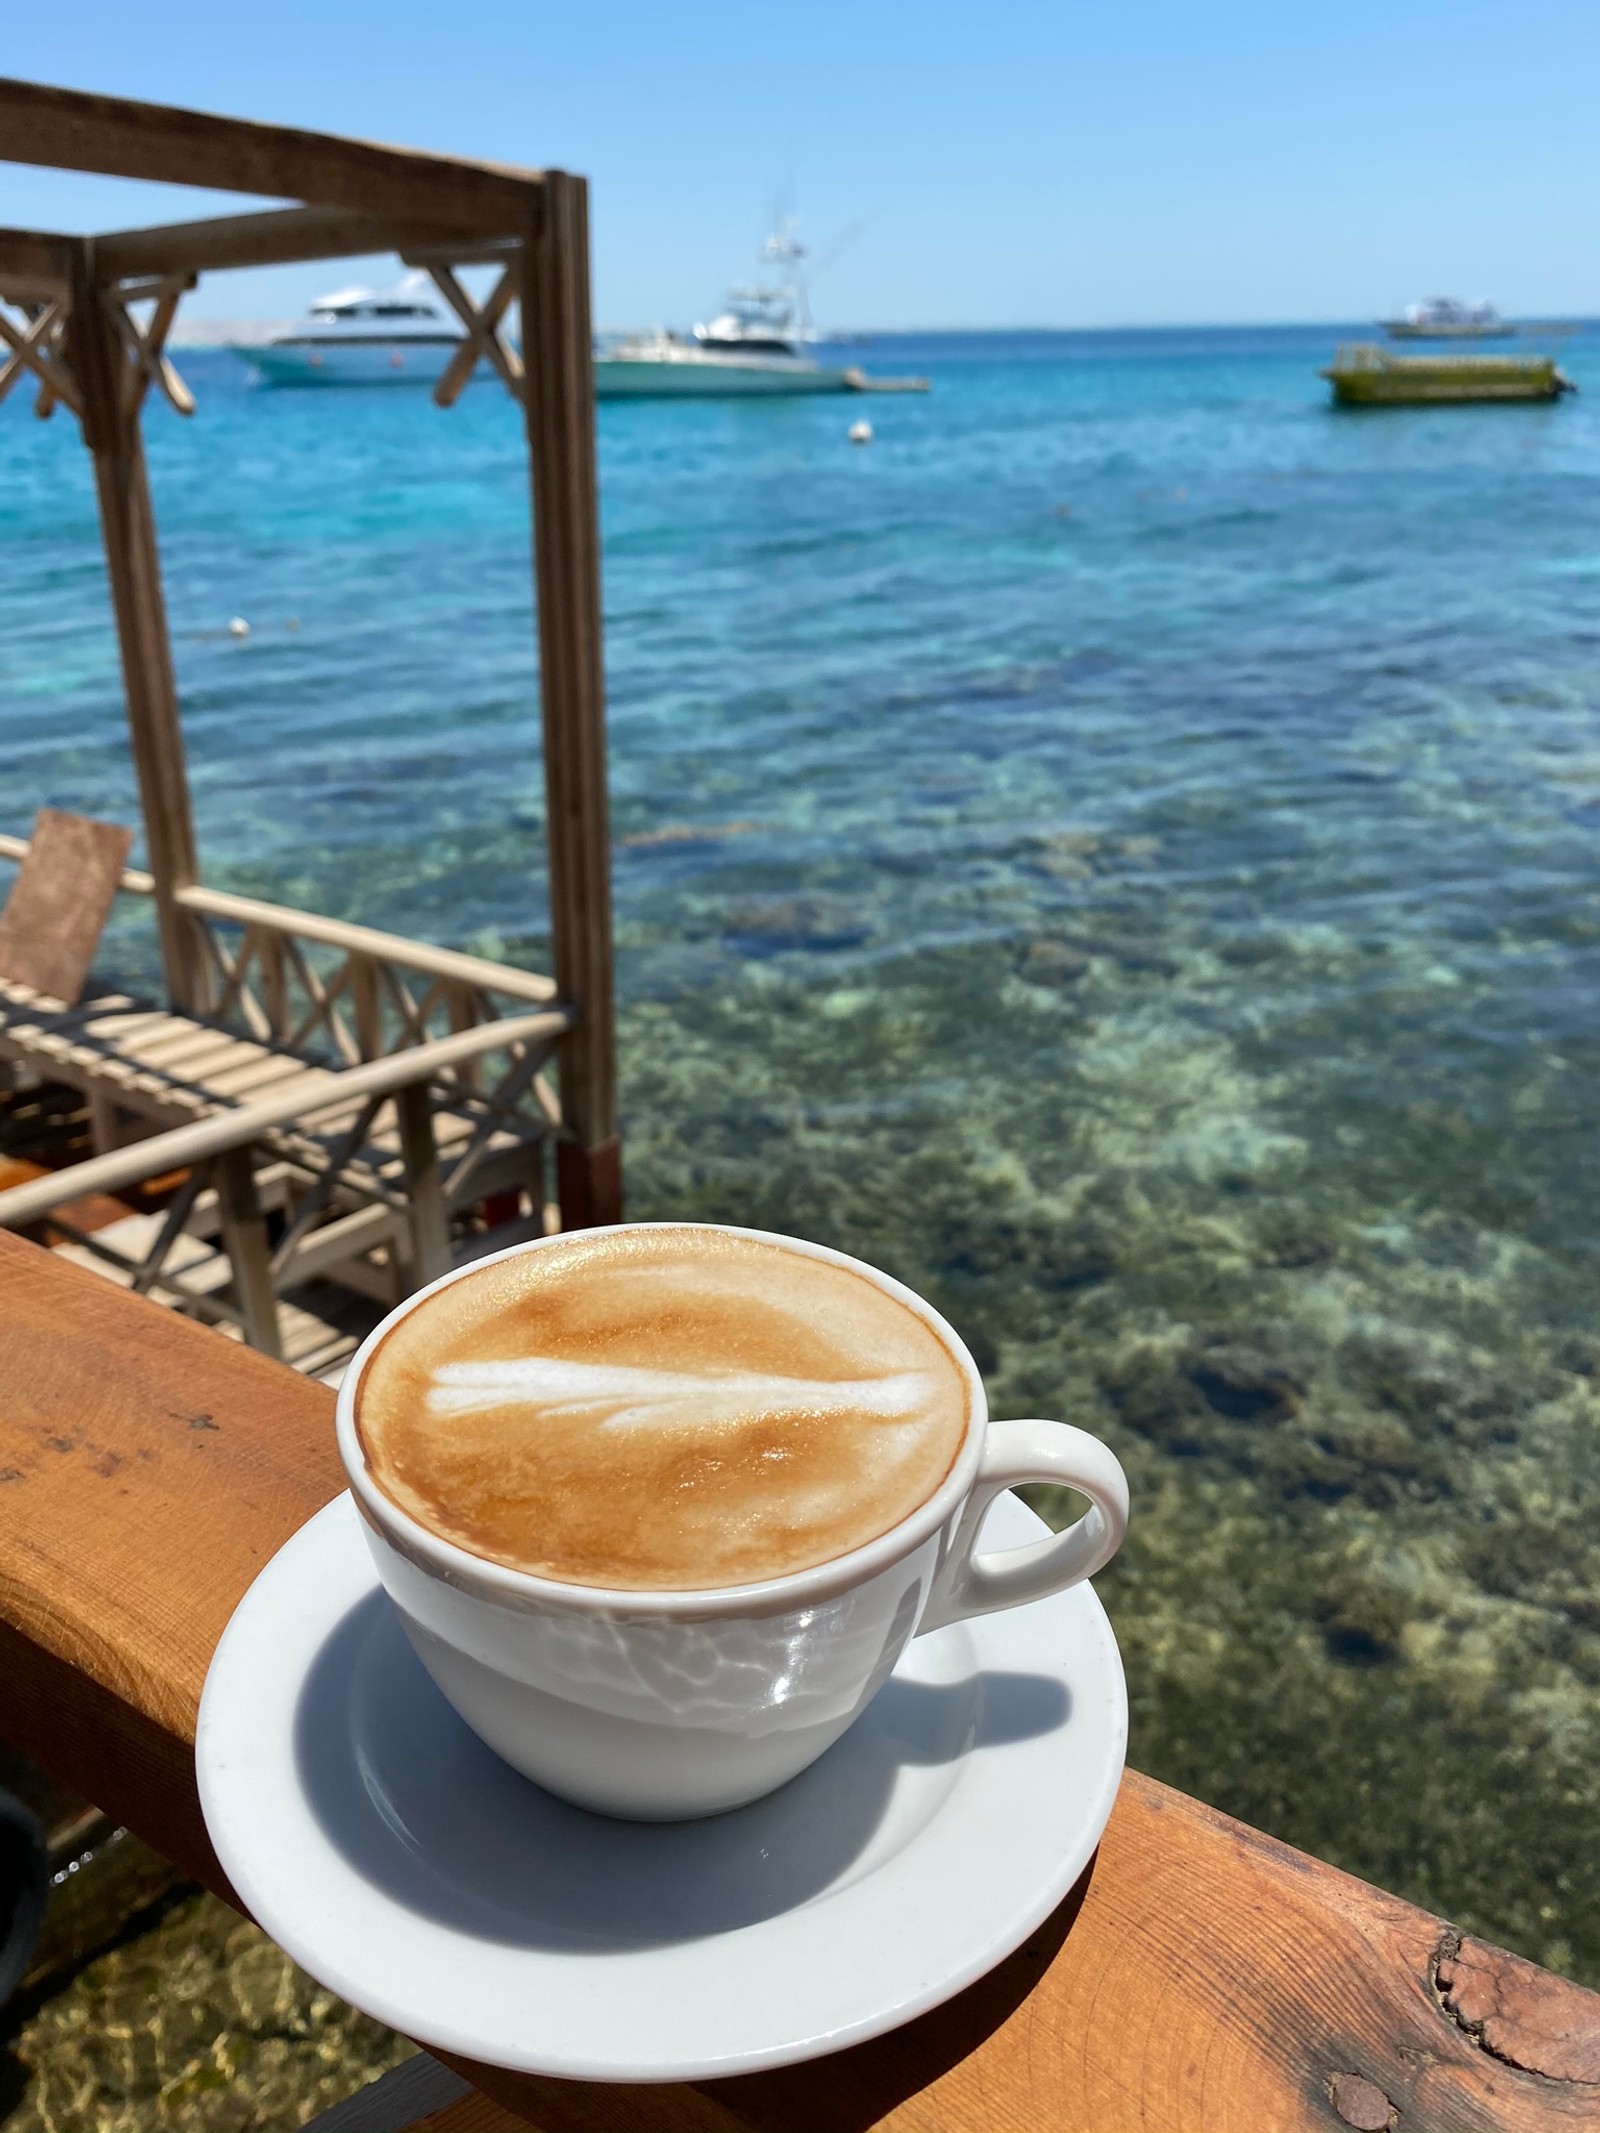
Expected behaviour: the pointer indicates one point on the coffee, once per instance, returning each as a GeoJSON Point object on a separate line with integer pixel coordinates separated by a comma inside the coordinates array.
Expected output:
{"type": "Point", "coordinates": [669, 1409]}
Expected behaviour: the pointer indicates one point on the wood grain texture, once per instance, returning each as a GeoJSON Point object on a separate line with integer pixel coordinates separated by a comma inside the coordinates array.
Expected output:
{"type": "Point", "coordinates": [275, 237]}
{"type": "Point", "coordinates": [71, 129]}
{"type": "Point", "coordinates": [558, 397]}
{"type": "Point", "coordinates": [52, 921]}
{"type": "Point", "coordinates": [34, 260]}
{"type": "Point", "coordinates": [1201, 1976]}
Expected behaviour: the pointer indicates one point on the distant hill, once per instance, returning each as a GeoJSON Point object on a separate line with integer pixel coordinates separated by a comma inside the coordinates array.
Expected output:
{"type": "Point", "coordinates": [217, 332]}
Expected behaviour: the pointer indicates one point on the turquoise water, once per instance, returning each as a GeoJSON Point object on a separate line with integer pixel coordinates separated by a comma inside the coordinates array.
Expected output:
{"type": "Point", "coordinates": [1122, 851]}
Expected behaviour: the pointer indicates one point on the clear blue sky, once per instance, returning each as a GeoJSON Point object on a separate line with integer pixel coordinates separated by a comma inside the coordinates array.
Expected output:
{"type": "Point", "coordinates": [1035, 163]}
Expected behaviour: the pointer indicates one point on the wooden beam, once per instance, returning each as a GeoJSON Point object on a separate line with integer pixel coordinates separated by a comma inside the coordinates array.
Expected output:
{"type": "Point", "coordinates": [33, 261]}
{"type": "Point", "coordinates": [69, 129]}
{"type": "Point", "coordinates": [98, 362]}
{"type": "Point", "coordinates": [558, 398]}
{"type": "Point", "coordinates": [277, 237]}
{"type": "Point", "coordinates": [1201, 1976]}
{"type": "Point", "coordinates": [461, 252]}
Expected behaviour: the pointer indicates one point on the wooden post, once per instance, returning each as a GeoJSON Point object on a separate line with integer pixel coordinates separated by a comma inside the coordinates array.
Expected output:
{"type": "Point", "coordinates": [558, 399]}
{"type": "Point", "coordinates": [133, 564]}
{"type": "Point", "coordinates": [244, 1234]}
{"type": "Point", "coordinates": [364, 1001]}
{"type": "Point", "coordinates": [430, 1225]}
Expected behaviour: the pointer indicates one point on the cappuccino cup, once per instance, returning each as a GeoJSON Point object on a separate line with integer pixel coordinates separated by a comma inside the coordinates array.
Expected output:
{"type": "Point", "coordinates": [660, 1506]}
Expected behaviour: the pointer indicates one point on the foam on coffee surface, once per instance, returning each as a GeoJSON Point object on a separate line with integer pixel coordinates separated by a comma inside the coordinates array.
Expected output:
{"type": "Point", "coordinates": [670, 1409]}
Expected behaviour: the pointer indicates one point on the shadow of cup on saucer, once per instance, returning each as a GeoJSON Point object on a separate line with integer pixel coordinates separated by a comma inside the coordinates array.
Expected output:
{"type": "Point", "coordinates": [419, 1807]}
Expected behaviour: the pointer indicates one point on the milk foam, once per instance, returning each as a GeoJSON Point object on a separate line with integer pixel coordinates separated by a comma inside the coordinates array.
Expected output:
{"type": "Point", "coordinates": [613, 1397]}
{"type": "Point", "coordinates": [664, 1408]}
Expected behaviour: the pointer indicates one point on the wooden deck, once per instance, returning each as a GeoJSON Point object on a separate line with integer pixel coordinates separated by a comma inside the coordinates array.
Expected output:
{"type": "Point", "coordinates": [1200, 1976]}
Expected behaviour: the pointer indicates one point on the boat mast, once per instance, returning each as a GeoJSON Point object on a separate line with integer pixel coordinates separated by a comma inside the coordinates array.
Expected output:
{"type": "Point", "coordinates": [783, 245]}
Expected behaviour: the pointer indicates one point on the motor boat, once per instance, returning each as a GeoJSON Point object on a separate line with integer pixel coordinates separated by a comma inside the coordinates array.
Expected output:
{"type": "Point", "coordinates": [398, 336]}
{"type": "Point", "coordinates": [759, 343]}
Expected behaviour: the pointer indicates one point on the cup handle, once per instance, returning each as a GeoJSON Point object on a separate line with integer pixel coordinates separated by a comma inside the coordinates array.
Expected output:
{"type": "Point", "coordinates": [968, 1584]}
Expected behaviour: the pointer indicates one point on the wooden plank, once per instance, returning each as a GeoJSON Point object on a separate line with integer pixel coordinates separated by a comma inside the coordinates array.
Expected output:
{"type": "Point", "coordinates": [51, 925]}
{"type": "Point", "coordinates": [474, 2113]}
{"type": "Point", "coordinates": [253, 1077]}
{"type": "Point", "coordinates": [184, 1044]}
{"type": "Point", "coordinates": [1201, 1977]}
{"type": "Point", "coordinates": [558, 399]}
{"type": "Point", "coordinates": [134, 879]}
{"type": "Point", "coordinates": [276, 237]}
{"type": "Point", "coordinates": [33, 262]}
{"type": "Point", "coordinates": [133, 564]}
{"type": "Point", "coordinates": [70, 129]}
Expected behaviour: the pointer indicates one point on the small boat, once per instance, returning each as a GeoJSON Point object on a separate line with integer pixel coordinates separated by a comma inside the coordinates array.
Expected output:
{"type": "Point", "coordinates": [760, 344]}
{"type": "Point", "coordinates": [1369, 376]}
{"type": "Point", "coordinates": [1446, 318]}
{"type": "Point", "coordinates": [398, 336]}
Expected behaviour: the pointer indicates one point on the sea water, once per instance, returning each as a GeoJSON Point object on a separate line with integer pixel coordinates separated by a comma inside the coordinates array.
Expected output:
{"type": "Point", "coordinates": [1122, 852]}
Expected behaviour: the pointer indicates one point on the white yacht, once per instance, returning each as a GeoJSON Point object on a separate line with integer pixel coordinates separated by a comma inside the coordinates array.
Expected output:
{"type": "Point", "coordinates": [760, 343]}
{"type": "Point", "coordinates": [1446, 318]}
{"type": "Point", "coordinates": [399, 336]}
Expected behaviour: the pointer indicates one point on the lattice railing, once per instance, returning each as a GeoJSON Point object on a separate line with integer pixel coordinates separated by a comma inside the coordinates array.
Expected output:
{"type": "Point", "coordinates": [345, 994]}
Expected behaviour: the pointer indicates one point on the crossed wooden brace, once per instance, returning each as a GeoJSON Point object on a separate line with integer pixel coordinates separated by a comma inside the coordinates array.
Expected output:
{"type": "Point", "coordinates": [150, 364]}
{"type": "Point", "coordinates": [39, 349]}
{"type": "Point", "coordinates": [482, 335]}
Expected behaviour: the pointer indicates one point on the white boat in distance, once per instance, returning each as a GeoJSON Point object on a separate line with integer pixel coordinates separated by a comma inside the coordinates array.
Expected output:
{"type": "Point", "coordinates": [759, 344]}
{"type": "Point", "coordinates": [398, 336]}
{"type": "Point", "coordinates": [405, 336]}
{"type": "Point", "coordinates": [1446, 318]}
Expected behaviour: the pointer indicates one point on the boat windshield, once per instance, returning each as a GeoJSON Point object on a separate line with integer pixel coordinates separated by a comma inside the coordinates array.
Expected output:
{"type": "Point", "coordinates": [407, 301]}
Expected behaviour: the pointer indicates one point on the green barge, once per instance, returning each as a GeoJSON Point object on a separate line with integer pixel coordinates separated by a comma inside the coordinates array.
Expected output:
{"type": "Point", "coordinates": [1369, 376]}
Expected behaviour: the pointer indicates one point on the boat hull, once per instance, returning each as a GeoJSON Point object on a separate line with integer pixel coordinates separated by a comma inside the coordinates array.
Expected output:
{"type": "Point", "coordinates": [1367, 377]}
{"type": "Point", "coordinates": [372, 363]}
{"type": "Point", "coordinates": [650, 378]}
{"type": "Point", "coordinates": [1399, 330]}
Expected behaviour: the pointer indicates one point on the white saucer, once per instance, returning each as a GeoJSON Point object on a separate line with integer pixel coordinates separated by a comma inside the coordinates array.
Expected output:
{"type": "Point", "coordinates": [411, 1871]}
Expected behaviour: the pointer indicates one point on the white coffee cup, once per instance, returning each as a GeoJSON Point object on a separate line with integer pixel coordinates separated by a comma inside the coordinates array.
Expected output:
{"type": "Point", "coordinates": [659, 1706]}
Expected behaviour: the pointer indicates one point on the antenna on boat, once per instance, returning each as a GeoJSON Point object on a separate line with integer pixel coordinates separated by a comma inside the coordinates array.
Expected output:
{"type": "Point", "coordinates": [783, 247]}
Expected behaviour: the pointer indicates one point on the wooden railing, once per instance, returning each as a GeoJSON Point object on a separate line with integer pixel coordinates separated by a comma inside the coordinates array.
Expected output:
{"type": "Point", "coordinates": [348, 994]}
{"type": "Point", "coordinates": [447, 1054]}
{"type": "Point", "coordinates": [212, 1156]}
{"type": "Point", "coordinates": [1201, 1978]}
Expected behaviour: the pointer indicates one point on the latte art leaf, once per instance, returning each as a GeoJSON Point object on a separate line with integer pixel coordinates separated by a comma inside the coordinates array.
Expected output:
{"type": "Point", "coordinates": [616, 1396]}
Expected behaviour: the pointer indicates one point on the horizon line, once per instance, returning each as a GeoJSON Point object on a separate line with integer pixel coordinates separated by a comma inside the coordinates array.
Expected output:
{"type": "Point", "coordinates": [1546, 321]}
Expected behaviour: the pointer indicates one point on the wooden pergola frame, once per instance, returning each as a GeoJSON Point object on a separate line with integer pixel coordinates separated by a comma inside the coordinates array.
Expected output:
{"type": "Point", "coordinates": [85, 349]}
